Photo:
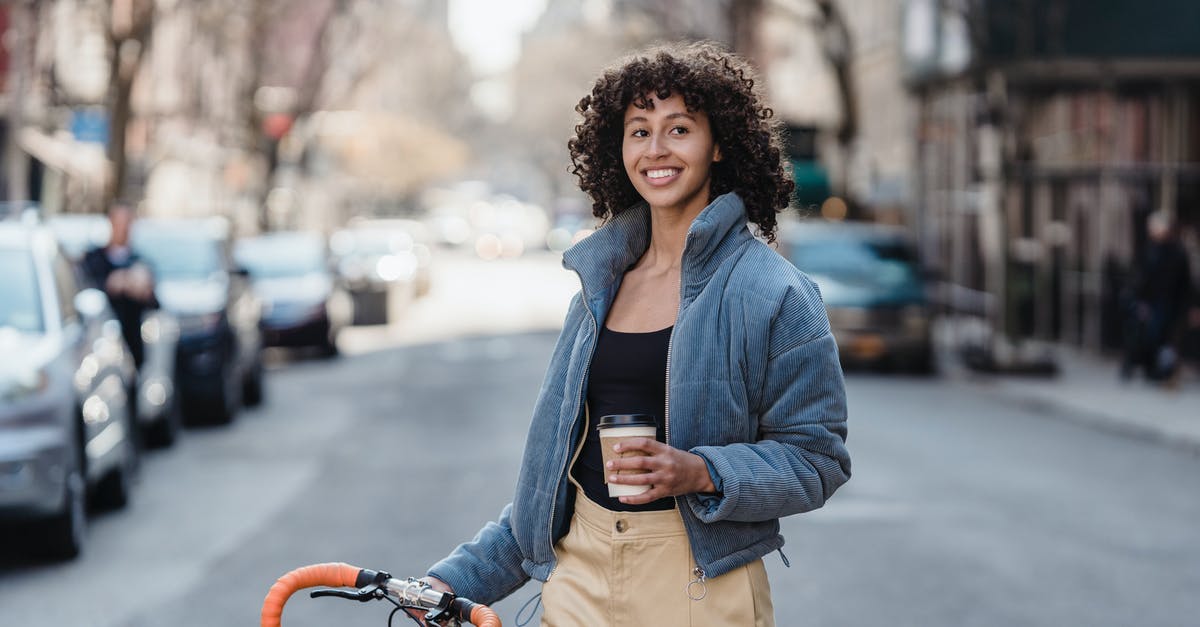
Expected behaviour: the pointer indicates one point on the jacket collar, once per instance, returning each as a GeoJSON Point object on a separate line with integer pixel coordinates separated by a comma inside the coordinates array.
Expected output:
{"type": "Point", "coordinates": [603, 257]}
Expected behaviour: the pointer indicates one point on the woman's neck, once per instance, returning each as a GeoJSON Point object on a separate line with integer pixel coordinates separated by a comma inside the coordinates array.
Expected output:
{"type": "Point", "coordinates": [668, 236]}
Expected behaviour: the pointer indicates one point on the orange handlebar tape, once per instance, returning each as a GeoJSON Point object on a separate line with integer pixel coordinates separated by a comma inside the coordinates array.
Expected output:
{"type": "Point", "coordinates": [483, 616]}
{"type": "Point", "coordinates": [333, 574]}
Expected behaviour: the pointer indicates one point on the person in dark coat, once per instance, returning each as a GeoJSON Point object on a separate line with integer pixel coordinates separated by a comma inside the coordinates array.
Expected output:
{"type": "Point", "coordinates": [1159, 298]}
{"type": "Point", "coordinates": [127, 281]}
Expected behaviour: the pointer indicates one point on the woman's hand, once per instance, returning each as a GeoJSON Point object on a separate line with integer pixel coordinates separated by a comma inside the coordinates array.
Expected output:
{"type": "Point", "coordinates": [436, 584]}
{"type": "Point", "coordinates": [672, 472]}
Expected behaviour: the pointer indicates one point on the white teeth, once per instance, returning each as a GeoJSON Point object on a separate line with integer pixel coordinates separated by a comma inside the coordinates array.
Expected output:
{"type": "Point", "coordinates": [658, 174]}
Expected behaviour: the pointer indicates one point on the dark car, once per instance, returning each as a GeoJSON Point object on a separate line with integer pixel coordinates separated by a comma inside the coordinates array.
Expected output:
{"type": "Point", "coordinates": [302, 305]}
{"type": "Point", "coordinates": [66, 425]}
{"type": "Point", "coordinates": [873, 286]}
{"type": "Point", "coordinates": [157, 404]}
{"type": "Point", "coordinates": [218, 361]}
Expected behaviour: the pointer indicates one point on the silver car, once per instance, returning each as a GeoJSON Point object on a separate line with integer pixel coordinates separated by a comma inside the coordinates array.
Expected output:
{"type": "Point", "coordinates": [65, 379]}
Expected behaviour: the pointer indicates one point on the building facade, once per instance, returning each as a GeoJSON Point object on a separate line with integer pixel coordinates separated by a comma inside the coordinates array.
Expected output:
{"type": "Point", "coordinates": [1047, 132]}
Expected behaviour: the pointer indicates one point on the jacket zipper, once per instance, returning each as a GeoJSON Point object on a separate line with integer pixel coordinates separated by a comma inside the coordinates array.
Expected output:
{"type": "Point", "coordinates": [670, 342]}
{"type": "Point", "coordinates": [667, 396]}
{"type": "Point", "coordinates": [579, 401]}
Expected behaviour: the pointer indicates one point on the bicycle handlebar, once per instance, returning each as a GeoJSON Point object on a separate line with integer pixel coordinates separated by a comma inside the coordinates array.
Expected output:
{"type": "Point", "coordinates": [410, 593]}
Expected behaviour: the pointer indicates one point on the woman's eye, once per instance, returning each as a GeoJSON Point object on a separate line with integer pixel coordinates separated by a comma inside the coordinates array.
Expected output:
{"type": "Point", "coordinates": [641, 132]}
{"type": "Point", "coordinates": [679, 130]}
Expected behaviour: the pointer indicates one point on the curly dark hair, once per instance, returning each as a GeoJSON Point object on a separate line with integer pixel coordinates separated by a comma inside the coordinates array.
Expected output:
{"type": "Point", "coordinates": [709, 79]}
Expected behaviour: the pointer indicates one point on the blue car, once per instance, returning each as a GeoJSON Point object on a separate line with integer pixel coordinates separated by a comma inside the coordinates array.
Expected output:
{"type": "Point", "coordinates": [874, 290]}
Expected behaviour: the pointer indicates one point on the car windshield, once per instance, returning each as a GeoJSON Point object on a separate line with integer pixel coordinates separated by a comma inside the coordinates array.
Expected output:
{"type": "Point", "coordinates": [180, 255]}
{"type": "Point", "coordinates": [20, 305]}
{"type": "Point", "coordinates": [271, 258]}
{"type": "Point", "coordinates": [878, 264]}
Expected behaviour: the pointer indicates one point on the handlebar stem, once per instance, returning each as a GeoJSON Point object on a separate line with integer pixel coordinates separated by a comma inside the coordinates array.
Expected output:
{"type": "Point", "coordinates": [414, 592]}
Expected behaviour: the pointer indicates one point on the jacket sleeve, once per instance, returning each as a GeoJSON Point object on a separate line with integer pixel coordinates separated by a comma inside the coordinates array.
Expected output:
{"type": "Point", "coordinates": [800, 457]}
{"type": "Point", "coordinates": [488, 568]}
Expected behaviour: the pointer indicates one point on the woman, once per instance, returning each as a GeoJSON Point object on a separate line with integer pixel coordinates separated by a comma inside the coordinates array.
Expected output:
{"type": "Point", "coordinates": [685, 315]}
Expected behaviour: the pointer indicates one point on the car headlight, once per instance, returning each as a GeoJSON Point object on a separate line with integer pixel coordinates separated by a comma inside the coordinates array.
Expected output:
{"type": "Point", "coordinates": [398, 267]}
{"type": "Point", "coordinates": [24, 384]}
{"type": "Point", "coordinates": [151, 330]}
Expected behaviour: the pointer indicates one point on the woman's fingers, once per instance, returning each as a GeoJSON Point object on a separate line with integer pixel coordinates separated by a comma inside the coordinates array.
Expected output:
{"type": "Point", "coordinates": [645, 497]}
{"type": "Point", "coordinates": [645, 445]}
{"type": "Point", "coordinates": [671, 471]}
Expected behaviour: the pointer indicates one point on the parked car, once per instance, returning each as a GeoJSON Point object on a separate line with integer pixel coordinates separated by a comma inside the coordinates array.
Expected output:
{"type": "Point", "coordinates": [157, 404]}
{"type": "Point", "coordinates": [66, 425]}
{"type": "Point", "coordinates": [78, 233]}
{"type": "Point", "coordinates": [380, 262]}
{"type": "Point", "coordinates": [873, 286]}
{"type": "Point", "coordinates": [302, 304]}
{"type": "Point", "coordinates": [218, 362]}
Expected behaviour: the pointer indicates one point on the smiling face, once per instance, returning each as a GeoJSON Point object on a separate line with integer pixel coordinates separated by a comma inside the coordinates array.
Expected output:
{"type": "Point", "coordinates": [668, 153]}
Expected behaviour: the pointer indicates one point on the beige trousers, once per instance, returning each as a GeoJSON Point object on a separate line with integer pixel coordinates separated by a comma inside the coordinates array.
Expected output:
{"type": "Point", "coordinates": [618, 569]}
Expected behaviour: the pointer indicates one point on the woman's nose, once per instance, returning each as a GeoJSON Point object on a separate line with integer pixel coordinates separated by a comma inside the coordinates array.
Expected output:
{"type": "Point", "coordinates": [657, 147]}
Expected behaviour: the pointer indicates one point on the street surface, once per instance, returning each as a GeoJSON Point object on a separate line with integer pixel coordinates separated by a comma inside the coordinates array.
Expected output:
{"type": "Point", "coordinates": [963, 510]}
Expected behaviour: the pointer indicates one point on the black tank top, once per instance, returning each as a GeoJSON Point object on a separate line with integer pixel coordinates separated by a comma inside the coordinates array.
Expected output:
{"type": "Point", "coordinates": [628, 375]}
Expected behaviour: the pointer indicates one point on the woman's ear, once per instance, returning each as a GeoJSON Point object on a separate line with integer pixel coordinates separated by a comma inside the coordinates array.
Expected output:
{"type": "Point", "coordinates": [716, 153]}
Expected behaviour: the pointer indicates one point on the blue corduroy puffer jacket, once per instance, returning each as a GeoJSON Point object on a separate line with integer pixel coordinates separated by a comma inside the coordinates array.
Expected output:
{"type": "Point", "coordinates": [754, 387]}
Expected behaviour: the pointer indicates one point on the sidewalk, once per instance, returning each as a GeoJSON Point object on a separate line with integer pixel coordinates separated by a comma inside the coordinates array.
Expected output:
{"type": "Point", "coordinates": [1087, 389]}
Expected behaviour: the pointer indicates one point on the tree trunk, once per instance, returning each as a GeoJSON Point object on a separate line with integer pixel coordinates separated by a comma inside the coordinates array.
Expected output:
{"type": "Point", "coordinates": [20, 62]}
{"type": "Point", "coordinates": [128, 47]}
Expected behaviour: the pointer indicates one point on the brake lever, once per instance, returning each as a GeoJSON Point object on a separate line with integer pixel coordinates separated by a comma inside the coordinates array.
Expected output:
{"type": "Point", "coordinates": [362, 595]}
{"type": "Point", "coordinates": [442, 614]}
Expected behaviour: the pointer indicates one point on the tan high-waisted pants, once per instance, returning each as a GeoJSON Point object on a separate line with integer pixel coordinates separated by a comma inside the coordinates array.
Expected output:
{"type": "Point", "coordinates": [625, 569]}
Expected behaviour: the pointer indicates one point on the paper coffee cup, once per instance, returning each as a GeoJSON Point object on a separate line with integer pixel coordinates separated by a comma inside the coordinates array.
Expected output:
{"type": "Point", "coordinates": [617, 427]}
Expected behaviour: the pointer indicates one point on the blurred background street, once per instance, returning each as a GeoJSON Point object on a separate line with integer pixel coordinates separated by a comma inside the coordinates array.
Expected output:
{"type": "Point", "coordinates": [965, 508]}
{"type": "Point", "coordinates": [339, 256]}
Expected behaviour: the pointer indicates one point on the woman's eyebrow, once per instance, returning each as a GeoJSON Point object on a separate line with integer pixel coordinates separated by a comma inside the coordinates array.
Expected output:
{"type": "Point", "coordinates": [672, 116]}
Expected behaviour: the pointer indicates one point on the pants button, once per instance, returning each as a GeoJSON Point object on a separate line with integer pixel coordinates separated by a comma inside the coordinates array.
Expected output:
{"type": "Point", "coordinates": [622, 526]}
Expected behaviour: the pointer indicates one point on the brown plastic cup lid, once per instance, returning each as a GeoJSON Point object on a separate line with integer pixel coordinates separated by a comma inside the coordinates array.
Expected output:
{"type": "Point", "coordinates": [627, 420]}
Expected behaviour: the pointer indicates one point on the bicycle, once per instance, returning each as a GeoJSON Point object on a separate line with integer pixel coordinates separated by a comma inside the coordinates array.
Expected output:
{"type": "Point", "coordinates": [444, 609]}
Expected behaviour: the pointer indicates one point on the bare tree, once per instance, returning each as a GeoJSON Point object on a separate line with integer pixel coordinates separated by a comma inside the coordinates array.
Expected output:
{"type": "Point", "coordinates": [20, 63]}
{"type": "Point", "coordinates": [130, 26]}
{"type": "Point", "coordinates": [274, 47]}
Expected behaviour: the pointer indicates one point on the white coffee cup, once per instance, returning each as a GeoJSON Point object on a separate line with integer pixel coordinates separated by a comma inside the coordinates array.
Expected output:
{"type": "Point", "coordinates": [615, 428]}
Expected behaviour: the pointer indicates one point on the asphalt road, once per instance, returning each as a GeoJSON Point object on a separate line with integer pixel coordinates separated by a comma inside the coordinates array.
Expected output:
{"type": "Point", "coordinates": [963, 510]}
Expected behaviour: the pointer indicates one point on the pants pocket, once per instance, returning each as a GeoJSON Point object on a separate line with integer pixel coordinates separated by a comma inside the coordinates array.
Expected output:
{"type": "Point", "coordinates": [573, 595]}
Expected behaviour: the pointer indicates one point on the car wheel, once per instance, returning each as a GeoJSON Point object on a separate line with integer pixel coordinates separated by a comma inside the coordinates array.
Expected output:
{"type": "Point", "coordinates": [226, 405]}
{"type": "Point", "coordinates": [165, 431]}
{"type": "Point", "coordinates": [329, 349]}
{"type": "Point", "coordinates": [115, 490]}
{"type": "Point", "coordinates": [65, 534]}
{"type": "Point", "coordinates": [921, 363]}
{"type": "Point", "coordinates": [252, 387]}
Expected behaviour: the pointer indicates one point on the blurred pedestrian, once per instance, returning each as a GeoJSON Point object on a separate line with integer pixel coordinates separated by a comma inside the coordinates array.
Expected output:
{"type": "Point", "coordinates": [685, 316]}
{"type": "Point", "coordinates": [127, 281]}
{"type": "Point", "coordinates": [1158, 300]}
